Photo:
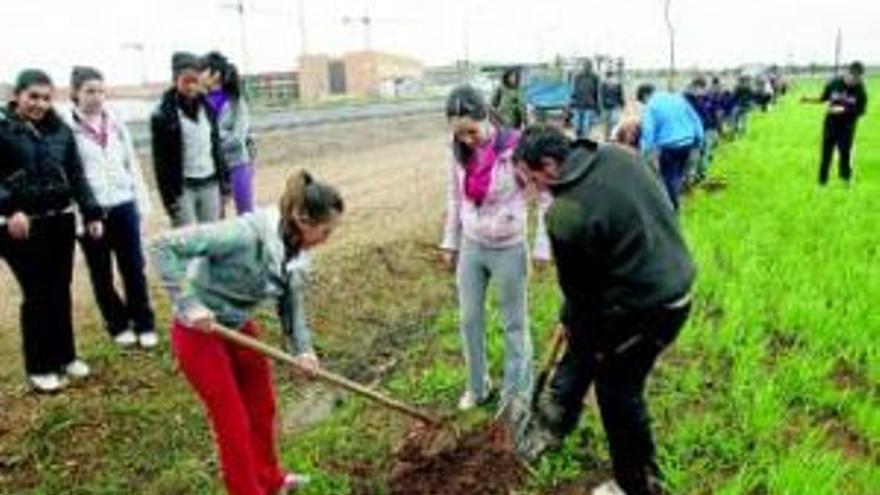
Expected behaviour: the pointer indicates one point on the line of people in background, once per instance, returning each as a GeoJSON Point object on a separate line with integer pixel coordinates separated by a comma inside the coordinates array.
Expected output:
{"type": "Point", "coordinates": [75, 175]}
{"type": "Point", "coordinates": [676, 133]}
{"type": "Point", "coordinates": [593, 101]}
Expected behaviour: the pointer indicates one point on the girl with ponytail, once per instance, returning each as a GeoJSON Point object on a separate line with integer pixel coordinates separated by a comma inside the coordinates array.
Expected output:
{"type": "Point", "coordinates": [220, 273]}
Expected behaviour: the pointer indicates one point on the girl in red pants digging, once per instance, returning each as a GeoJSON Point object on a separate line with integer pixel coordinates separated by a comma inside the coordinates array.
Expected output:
{"type": "Point", "coordinates": [220, 273]}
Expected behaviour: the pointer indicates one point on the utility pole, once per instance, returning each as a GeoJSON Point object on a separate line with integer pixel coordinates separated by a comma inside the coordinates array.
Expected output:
{"type": "Point", "coordinates": [239, 8]}
{"type": "Point", "coordinates": [301, 21]}
{"type": "Point", "coordinates": [671, 30]}
{"type": "Point", "coordinates": [838, 49]}
{"type": "Point", "coordinates": [467, 50]}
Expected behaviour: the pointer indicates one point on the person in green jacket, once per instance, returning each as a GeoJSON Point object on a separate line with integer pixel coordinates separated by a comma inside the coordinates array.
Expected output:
{"type": "Point", "coordinates": [219, 274]}
{"type": "Point", "coordinates": [626, 276]}
{"type": "Point", "coordinates": [508, 101]}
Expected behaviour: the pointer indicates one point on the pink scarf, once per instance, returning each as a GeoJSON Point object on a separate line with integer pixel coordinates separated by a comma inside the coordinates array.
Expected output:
{"type": "Point", "coordinates": [478, 171]}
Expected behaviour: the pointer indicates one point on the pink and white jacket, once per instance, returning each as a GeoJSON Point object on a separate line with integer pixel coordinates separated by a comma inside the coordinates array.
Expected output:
{"type": "Point", "coordinates": [501, 219]}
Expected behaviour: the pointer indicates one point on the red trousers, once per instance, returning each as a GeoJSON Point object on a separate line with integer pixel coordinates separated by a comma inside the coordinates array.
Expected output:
{"type": "Point", "coordinates": [235, 386]}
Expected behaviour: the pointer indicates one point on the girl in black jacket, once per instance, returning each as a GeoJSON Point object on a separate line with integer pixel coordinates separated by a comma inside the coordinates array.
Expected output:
{"type": "Point", "coordinates": [41, 178]}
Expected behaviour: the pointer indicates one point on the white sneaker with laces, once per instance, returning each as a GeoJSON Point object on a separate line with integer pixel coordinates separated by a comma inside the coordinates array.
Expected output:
{"type": "Point", "coordinates": [126, 339]}
{"type": "Point", "coordinates": [148, 340]}
{"type": "Point", "coordinates": [46, 384]}
{"type": "Point", "coordinates": [608, 488]}
{"type": "Point", "coordinates": [293, 483]}
{"type": "Point", "coordinates": [78, 369]}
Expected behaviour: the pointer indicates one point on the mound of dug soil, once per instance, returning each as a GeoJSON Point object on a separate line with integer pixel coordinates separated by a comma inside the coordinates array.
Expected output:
{"type": "Point", "coordinates": [481, 462]}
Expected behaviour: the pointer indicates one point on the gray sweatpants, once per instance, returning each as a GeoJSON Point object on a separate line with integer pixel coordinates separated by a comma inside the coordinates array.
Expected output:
{"type": "Point", "coordinates": [509, 268]}
{"type": "Point", "coordinates": [199, 204]}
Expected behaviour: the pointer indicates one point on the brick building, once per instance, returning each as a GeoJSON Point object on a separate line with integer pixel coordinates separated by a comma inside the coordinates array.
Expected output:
{"type": "Point", "coordinates": [358, 74]}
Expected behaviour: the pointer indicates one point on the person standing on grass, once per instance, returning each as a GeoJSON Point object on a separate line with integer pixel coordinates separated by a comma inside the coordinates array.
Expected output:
{"type": "Point", "coordinates": [41, 179]}
{"type": "Point", "coordinates": [670, 132]}
{"type": "Point", "coordinates": [484, 239]}
{"type": "Point", "coordinates": [743, 99]}
{"type": "Point", "coordinates": [612, 99]}
{"type": "Point", "coordinates": [218, 274]}
{"type": "Point", "coordinates": [728, 115]}
{"type": "Point", "coordinates": [705, 106]}
{"type": "Point", "coordinates": [191, 170]}
{"type": "Point", "coordinates": [626, 277]}
{"type": "Point", "coordinates": [508, 101]}
{"type": "Point", "coordinates": [717, 102]}
{"type": "Point", "coordinates": [585, 100]}
{"type": "Point", "coordinates": [847, 100]}
{"type": "Point", "coordinates": [114, 175]}
{"type": "Point", "coordinates": [227, 104]}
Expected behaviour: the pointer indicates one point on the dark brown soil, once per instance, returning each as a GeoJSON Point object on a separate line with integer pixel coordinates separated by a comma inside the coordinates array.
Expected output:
{"type": "Point", "coordinates": [482, 462]}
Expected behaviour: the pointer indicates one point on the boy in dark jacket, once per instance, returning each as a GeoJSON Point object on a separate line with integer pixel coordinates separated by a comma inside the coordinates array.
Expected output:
{"type": "Point", "coordinates": [743, 98]}
{"type": "Point", "coordinates": [612, 99]}
{"type": "Point", "coordinates": [41, 179]}
{"type": "Point", "coordinates": [191, 172]}
{"type": "Point", "coordinates": [626, 276]}
{"type": "Point", "coordinates": [585, 100]}
{"type": "Point", "coordinates": [847, 100]}
{"type": "Point", "coordinates": [707, 108]}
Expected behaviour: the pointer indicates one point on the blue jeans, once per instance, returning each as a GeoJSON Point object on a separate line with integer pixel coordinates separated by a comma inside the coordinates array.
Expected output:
{"type": "Point", "coordinates": [122, 242]}
{"type": "Point", "coordinates": [610, 117]}
{"type": "Point", "coordinates": [584, 120]}
{"type": "Point", "coordinates": [509, 268]}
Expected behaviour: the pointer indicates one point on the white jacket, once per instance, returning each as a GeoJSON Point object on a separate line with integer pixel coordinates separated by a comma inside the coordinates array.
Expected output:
{"type": "Point", "coordinates": [113, 172]}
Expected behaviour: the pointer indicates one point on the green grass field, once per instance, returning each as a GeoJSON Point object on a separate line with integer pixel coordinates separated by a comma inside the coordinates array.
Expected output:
{"type": "Point", "coordinates": [773, 387]}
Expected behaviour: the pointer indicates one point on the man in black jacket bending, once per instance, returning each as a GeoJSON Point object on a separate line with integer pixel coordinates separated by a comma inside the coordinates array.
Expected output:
{"type": "Point", "coordinates": [191, 172]}
{"type": "Point", "coordinates": [626, 276]}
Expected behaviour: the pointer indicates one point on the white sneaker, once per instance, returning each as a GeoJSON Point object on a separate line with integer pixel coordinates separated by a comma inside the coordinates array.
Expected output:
{"type": "Point", "coordinates": [126, 339]}
{"type": "Point", "coordinates": [78, 369]}
{"type": "Point", "coordinates": [293, 483]}
{"type": "Point", "coordinates": [469, 401]}
{"type": "Point", "coordinates": [46, 384]}
{"type": "Point", "coordinates": [148, 340]}
{"type": "Point", "coordinates": [608, 488]}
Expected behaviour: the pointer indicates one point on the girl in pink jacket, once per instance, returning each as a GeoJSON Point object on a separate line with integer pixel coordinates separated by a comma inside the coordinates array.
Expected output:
{"type": "Point", "coordinates": [485, 238]}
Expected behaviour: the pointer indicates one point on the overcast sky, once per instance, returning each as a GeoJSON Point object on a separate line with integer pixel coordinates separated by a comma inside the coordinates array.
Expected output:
{"type": "Point", "coordinates": [55, 34]}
